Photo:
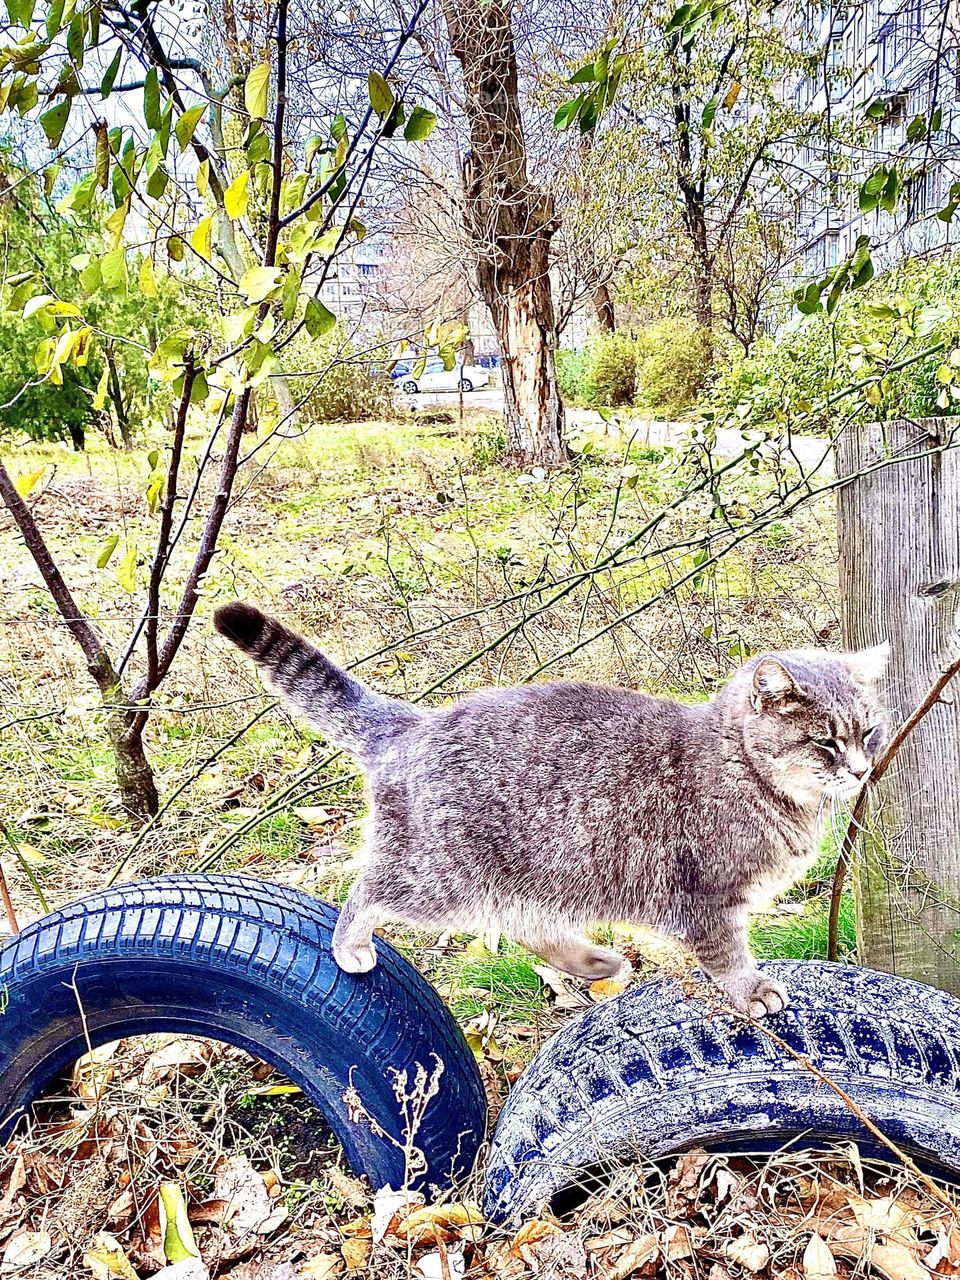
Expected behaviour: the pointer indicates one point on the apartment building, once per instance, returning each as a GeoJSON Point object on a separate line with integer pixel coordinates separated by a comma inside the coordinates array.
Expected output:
{"type": "Point", "coordinates": [901, 53]}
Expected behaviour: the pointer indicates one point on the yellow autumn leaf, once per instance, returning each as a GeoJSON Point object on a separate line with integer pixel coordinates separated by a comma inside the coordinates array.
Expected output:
{"type": "Point", "coordinates": [237, 195]}
{"type": "Point", "coordinates": [106, 1258]}
{"type": "Point", "coordinates": [202, 239]}
{"type": "Point", "coordinates": [255, 91]}
{"type": "Point", "coordinates": [147, 279]}
{"type": "Point", "coordinates": [259, 282]}
{"type": "Point", "coordinates": [100, 395]}
{"type": "Point", "coordinates": [25, 484]}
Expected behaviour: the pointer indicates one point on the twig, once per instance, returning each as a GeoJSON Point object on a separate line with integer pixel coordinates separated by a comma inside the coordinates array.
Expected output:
{"type": "Point", "coordinates": [929, 701]}
{"type": "Point", "coordinates": [8, 902]}
{"type": "Point", "coordinates": [24, 866]}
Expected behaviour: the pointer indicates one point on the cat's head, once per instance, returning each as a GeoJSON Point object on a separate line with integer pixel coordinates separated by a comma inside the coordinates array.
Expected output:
{"type": "Point", "coordinates": [814, 722]}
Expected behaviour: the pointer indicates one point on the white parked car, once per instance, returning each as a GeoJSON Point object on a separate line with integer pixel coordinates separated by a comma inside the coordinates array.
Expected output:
{"type": "Point", "coordinates": [462, 377]}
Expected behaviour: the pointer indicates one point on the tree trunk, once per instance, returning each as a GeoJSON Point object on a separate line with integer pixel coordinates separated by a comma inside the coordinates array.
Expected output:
{"type": "Point", "coordinates": [135, 781]}
{"type": "Point", "coordinates": [603, 304]}
{"type": "Point", "coordinates": [900, 566]}
{"type": "Point", "coordinates": [510, 224]}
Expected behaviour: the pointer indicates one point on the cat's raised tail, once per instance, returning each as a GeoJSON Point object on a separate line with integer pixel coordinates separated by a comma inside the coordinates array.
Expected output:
{"type": "Point", "coordinates": [333, 702]}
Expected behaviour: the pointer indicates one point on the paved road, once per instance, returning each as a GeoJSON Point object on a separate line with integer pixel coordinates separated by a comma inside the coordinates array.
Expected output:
{"type": "Point", "coordinates": [810, 452]}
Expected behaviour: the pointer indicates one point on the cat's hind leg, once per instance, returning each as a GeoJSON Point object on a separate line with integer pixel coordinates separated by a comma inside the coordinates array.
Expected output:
{"type": "Point", "coordinates": [581, 958]}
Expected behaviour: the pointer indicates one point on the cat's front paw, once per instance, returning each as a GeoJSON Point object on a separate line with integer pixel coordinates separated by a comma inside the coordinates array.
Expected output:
{"type": "Point", "coordinates": [355, 958]}
{"type": "Point", "coordinates": [752, 992]}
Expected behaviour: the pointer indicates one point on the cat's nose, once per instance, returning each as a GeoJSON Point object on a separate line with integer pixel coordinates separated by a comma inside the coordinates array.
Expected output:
{"type": "Point", "coordinates": [858, 765]}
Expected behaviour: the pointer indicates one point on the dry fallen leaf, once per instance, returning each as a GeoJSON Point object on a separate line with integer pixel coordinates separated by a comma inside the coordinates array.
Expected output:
{"type": "Point", "coordinates": [356, 1254]}
{"type": "Point", "coordinates": [818, 1261]}
{"type": "Point", "coordinates": [387, 1205]}
{"type": "Point", "coordinates": [637, 1254]}
{"type": "Point", "coordinates": [565, 998]}
{"type": "Point", "coordinates": [677, 1241]}
{"type": "Point", "coordinates": [179, 1056]}
{"type": "Point", "coordinates": [106, 1259]}
{"type": "Point", "coordinates": [322, 1266]}
{"type": "Point", "coordinates": [464, 1220]}
{"type": "Point", "coordinates": [886, 1215]}
{"type": "Point", "coordinates": [529, 1235]}
{"type": "Point", "coordinates": [436, 1266]}
{"type": "Point", "coordinates": [24, 1249]}
{"type": "Point", "coordinates": [238, 1183]}
{"type": "Point", "coordinates": [750, 1252]}
{"type": "Point", "coordinates": [604, 988]}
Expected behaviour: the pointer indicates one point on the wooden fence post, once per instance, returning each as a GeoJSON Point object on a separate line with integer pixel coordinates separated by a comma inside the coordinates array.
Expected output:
{"type": "Point", "coordinates": [899, 530]}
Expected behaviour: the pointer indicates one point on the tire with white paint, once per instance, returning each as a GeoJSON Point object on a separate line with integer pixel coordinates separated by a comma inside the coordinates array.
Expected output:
{"type": "Point", "coordinates": [654, 1071]}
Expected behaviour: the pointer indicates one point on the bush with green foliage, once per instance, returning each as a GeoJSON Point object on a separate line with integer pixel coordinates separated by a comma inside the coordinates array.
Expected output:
{"type": "Point", "coordinates": [340, 383]}
{"type": "Point", "coordinates": [898, 316]}
{"type": "Point", "coordinates": [573, 376]}
{"type": "Point", "coordinates": [661, 369]}
{"type": "Point", "coordinates": [674, 362]}
{"type": "Point", "coordinates": [613, 370]}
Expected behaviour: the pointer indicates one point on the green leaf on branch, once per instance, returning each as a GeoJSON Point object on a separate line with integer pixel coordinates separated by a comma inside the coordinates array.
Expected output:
{"type": "Point", "coordinates": [54, 18]}
{"type": "Point", "coordinates": [256, 90]}
{"type": "Point", "coordinates": [110, 75]}
{"type": "Point", "coordinates": [167, 360]}
{"type": "Point", "coordinates": [127, 569]}
{"type": "Point", "coordinates": [318, 318]}
{"type": "Point", "coordinates": [54, 122]}
{"type": "Point", "coordinates": [102, 162]}
{"type": "Point", "coordinates": [420, 125]}
{"type": "Point", "coordinates": [585, 75]}
{"type": "Point", "coordinates": [151, 99]}
{"type": "Point", "coordinates": [109, 545]}
{"type": "Point", "coordinates": [186, 126]}
{"type": "Point", "coordinates": [381, 95]}
{"type": "Point", "coordinates": [872, 189]}
{"type": "Point", "coordinates": [568, 113]}
{"type": "Point", "coordinates": [891, 191]}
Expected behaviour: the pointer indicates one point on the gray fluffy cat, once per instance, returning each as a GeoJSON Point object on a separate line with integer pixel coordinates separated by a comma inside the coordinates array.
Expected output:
{"type": "Point", "coordinates": [543, 809]}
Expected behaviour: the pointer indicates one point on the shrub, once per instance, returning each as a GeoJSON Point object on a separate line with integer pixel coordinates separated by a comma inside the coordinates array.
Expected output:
{"type": "Point", "coordinates": [573, 376]}
{"type": "Point", "coordinates": [661, 369]}
{"type": "Point", "coordinates": [352, 388]}
{"type": "Point", "coordinates": [674, 363]}
{"type": "Point", "coordinates": [613, 370]}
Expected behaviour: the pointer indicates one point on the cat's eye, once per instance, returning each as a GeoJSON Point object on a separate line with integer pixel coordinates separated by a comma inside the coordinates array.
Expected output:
{"type": "Point", "coordinates": [828, 744]}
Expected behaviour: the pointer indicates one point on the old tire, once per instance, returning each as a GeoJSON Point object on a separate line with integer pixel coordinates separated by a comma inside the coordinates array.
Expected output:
{"type": "Point", "coordinates": [239, 960]}
{"type": "Point", "coordinates": [651, 1072]}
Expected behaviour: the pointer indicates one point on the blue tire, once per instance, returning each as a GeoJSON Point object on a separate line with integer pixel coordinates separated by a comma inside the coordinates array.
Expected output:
{"type": "Point", "coordinates": [249, 963]}
{"type": "Point", "coordinates": [652, 1072]}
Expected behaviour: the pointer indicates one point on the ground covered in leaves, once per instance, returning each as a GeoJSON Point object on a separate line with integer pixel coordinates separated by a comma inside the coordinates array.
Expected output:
{"type": "Point", "coordinates": [186, 1160]}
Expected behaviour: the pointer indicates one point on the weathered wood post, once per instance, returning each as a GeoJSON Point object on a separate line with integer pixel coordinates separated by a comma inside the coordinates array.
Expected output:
{"type": "Point", "coordinates": [899, 530]}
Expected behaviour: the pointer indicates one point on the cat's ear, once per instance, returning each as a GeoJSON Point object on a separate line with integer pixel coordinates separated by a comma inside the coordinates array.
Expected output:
{"type": "Point", "coordinates": [868, 666]}
{"type": "Point", "coordinates": [774, 686]}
